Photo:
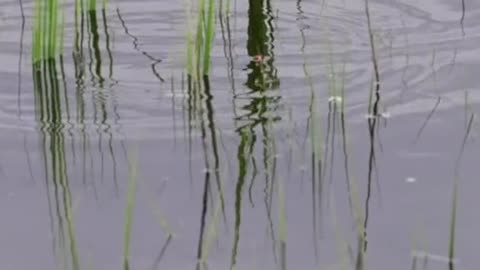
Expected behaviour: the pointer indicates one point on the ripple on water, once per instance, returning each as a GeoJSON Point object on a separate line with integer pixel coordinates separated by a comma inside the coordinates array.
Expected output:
{"type": "Point", "coordinates": [408, 37]}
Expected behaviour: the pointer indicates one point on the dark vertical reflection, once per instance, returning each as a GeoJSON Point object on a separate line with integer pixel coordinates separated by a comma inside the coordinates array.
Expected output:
{"type": "Point", "coordinates": [455, 191]}
{"type": "Point", "coordinates": [263, 75]}
{"type": "Point", "coordinates": [162, 252]}
{"type": "Point", "coordinates": [109, 130]}
{"type": "Point", "coordinates": [88, 46]}
{"type": "Point", "coordinates": [245, 148]}
{"type": "Point", "coordinates": [462, 18]}
{"type": "Point", "coordinates": [153, 60]}
{"type": "Point", "coordinates": [210, 123]}
{"type": "Point", "coordinates": [50, 113]}
{"type": "Point", "coordinates": [107, 44]}
{"type": "Point", "coordinates": [374, 116]}
{"type": "Point", "coordinates": [94, 46]}
{"type": "Point", "coordinates": [312, 132]}
{"type": "Point", "coordinates": [257, 110]}
{"type": "Point", "coordinates": [203, 216]}
{"type": "Point", "coordinates": [100, 114]}
{"type": "Point", "coordinates": [228, 52]}
{"type": "Point", "coordinates": [191, 107]}
{"type": "Point", "coordinates": [425, 123]}
{"type": "Point", "coordinates": [99, 101]}
{"type": "Point", "coordinates": [81, 24]}
{"type": "Point", "coordinates": [346, 159]}
{"type": "Point", "coordinates": [209, 141]}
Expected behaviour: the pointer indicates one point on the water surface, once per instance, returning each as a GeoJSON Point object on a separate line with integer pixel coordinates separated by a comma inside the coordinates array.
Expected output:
{"type": "Point", "coordinates": [265, 169]}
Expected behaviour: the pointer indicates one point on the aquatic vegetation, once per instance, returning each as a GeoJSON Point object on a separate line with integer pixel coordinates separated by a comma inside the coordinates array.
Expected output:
{"type": "Point", "coordinates": [313, 92]}
{"type": "Point", "coordinates": [47, 30]}
{"type": "Point", "coordinates": [200, 41]}
{"type": "Point", "coordinates": [50, 98]}
{"type": "Point", "coordinates": [49, 26]}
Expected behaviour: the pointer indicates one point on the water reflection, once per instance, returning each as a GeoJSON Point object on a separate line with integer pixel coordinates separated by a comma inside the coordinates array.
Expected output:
{"type": "Point", "coordinates": [82, 123]}
{"type": "Point", "coordinates": [262, 74]}
{"type": "Point", "coordinates": [213, 167]}
{"type": "Point", "coordinates": [374, 115]}
{"type": "Point", "coordinates": [153, 60]}
{"type": "Point", "coordinates": [104, 105]}
{"type": "Point", "coordinates": [258, 114]}
{"type": "Point", "coordinates": [78, 131]}
{"type": "Point", "coordinates": [313, 133]}
{"type": "Point", "coordinates": [50, 101]}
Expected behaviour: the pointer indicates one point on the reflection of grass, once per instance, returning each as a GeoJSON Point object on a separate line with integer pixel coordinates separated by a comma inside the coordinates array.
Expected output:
{"type": "Point", "coordinates": [336, 103]}
{"type": "Point", "coordinates": [256, 118]}
{"type": "Point", "coordinates": [201, 111]}
{"type": "Point", "coordinates": [48, 92]}
{"type": "Point", "coordinates": [244, 154]}
{"type": "Point", "coordinates": [89, 60]}
{"type": "Point", "coordinates": [282, 225]}
{"type": "Point", "coordinates": [209, 239]}
{"type": "Point", "coordinates": [314, 133]}
{"type": "Point", "coordinates": [453, 218]}
{"type": "Point", "coordinates": [131, 197]}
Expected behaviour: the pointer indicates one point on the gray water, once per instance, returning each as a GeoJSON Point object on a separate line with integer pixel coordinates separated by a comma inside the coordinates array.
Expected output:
{"type": "Point", "coordinates": [215, 176]}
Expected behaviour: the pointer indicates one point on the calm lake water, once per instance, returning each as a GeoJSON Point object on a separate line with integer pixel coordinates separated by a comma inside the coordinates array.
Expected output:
{"type": "Point", "coordinates": [272, 166]}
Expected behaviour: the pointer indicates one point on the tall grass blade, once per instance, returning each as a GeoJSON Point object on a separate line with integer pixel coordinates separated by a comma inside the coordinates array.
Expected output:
{"type": "Point", "coordinates": [47, 30]}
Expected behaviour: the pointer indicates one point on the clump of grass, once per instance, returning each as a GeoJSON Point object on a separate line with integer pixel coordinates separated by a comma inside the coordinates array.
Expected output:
{"type": "Point", "coordinates": [47, 30]}
{"type": "Point", "coordinates": [49, 26]}
{"type": "Point", "coordinates": [200, 41]}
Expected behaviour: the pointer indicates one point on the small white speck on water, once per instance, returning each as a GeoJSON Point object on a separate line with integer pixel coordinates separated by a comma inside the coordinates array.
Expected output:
{"type": "Point", "coordinates": [336, 99]}
{"type": "Point", "coordinates": [386, 115]}
{"type": "Point", "coordinates": [433, 257]}
{"type": "Point", "coordinates": [176, 95]}
{"type": "Point", "coordinates": [410, 180]}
